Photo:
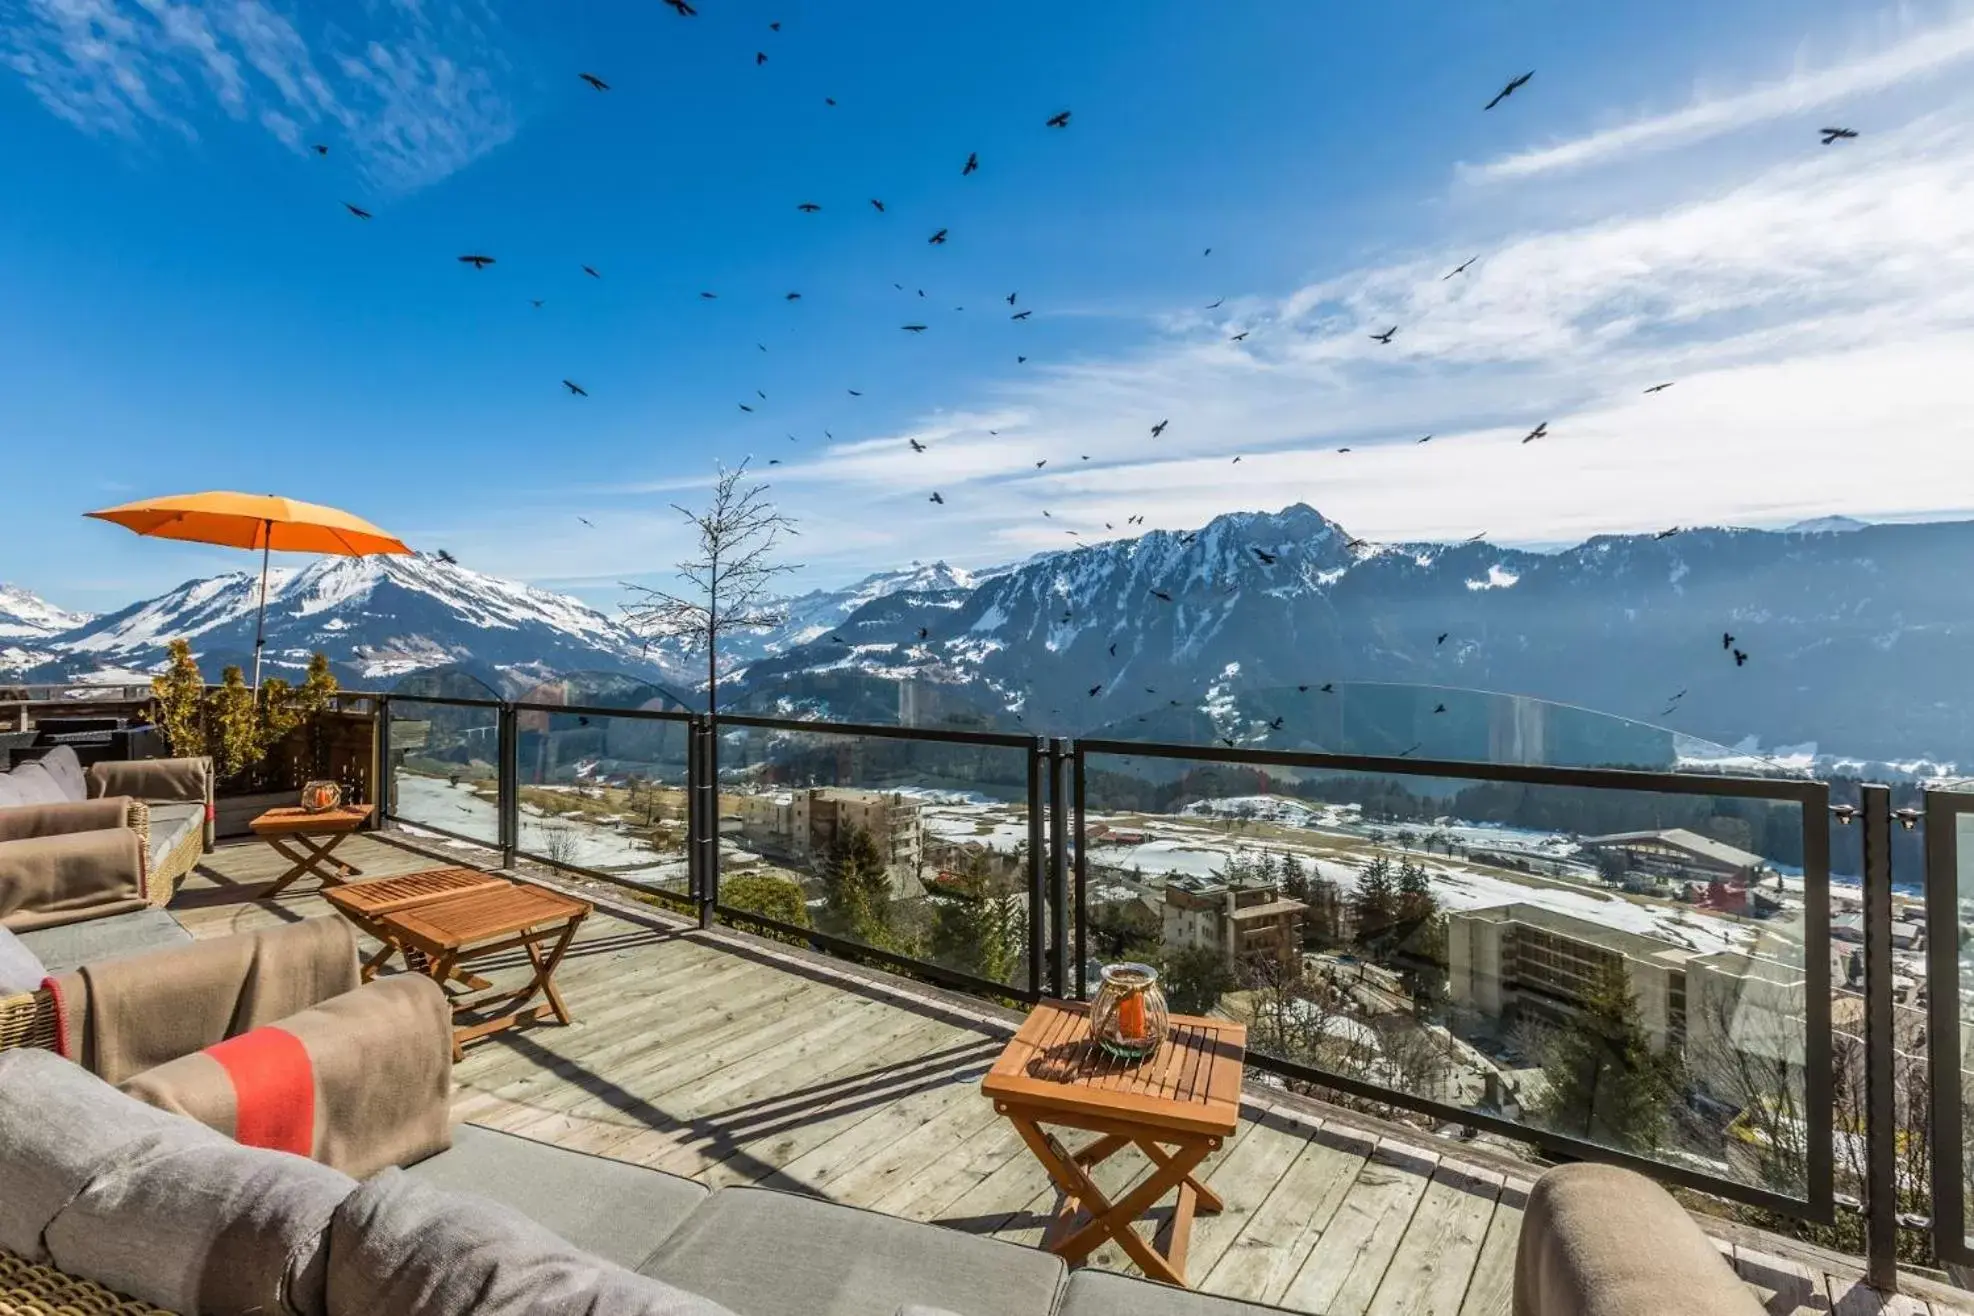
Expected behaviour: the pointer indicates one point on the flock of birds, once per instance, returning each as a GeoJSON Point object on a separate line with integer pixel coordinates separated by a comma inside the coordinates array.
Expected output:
{"type": "Point", "coordinates": [971, 165]}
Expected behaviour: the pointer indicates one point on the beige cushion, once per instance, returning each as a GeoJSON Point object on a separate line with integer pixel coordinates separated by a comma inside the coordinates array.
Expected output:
{"type": "Point", "coordinates": [399, 1247]}
{"type": "Point", "coordinates": [65, 770]}
{"type": "Point", "coordinates": [1601, 1241]}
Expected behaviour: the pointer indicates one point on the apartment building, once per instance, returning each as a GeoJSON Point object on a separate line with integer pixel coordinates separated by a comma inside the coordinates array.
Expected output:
{"type": "Point", "coordinates": [1242, 922]}
{"type": "Point", "coordinates": [800, 825]}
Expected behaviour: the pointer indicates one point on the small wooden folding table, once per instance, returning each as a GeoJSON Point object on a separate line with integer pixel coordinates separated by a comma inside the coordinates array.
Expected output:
{"type": "Point", "coordinates": [294, 833]}
{"type": "Point", "coordinates": [366, 903]}
{"type": "Point", "coordinates": [1176, 1107]}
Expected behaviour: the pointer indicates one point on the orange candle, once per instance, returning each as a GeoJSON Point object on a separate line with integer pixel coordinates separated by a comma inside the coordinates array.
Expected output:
{"type": "Point", "coordinates": [1131, 1016]}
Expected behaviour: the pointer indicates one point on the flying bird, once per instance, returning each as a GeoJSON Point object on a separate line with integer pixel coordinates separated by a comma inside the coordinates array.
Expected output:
{"type": "Point", "coordinates": [1327, 688]}
{"type": "Point", "coordinates": [1266, 559]}
{"type": "Point", "coordinates": [1159, 428]}
{"type": "Point", "coordinates": [1726, 640]}
{"type": "Point", "coordinates": [1833, 134]}
{"type": "Point", "coordinates": [1040, 464]}
{"type": "Point", "coordinates": [1462, 268]}
{"type": "Point", "coordinates": [1021, 315]}
{"type": "Point", "coordinates": [477, 262]}
{"type": "Point", "coordinates": [1740, 659]}
{"type": "Point", "coordinates": [1011, 297]}
{"type": "Point", "coordinates": [1059, 120]}
{"type": "Point", "coordinates": [356, 210]}
{"type": "Point", "coordinates": [1539, 432]}
{"type": "Point", "coordinates": [836, 639]}
{"type": "Point", "coordinates": [1384, 337]}
{"type": "Point", "coordinates": [744, 407]}
{"type": "Point", "coordinates": [1236, 461]}
{"type": "Point", "coordinates": [853, 392]}
{"type": "Point", "coordinates": [923, 632]}
{"type": "Point", "coordinates": [938, 239]}
{"type": "Point", "coordinates": [1343, 450]}
{"type": "Point", "coordinates": [937, 499]}
{"type": "Point", "coordinates": [1214, 306]}
{"type": "Point", "coordinates": [684, 8]}
{"type": "Point", "coordinates": [1161, 596]}
{"type": "Point", "coordinates": [916, 445]}
{"type": "Point", "coordinates": [1440, 709]}
{"type": "Point", "coordinates": [1207, 252]}
{"type": "Point", "coordinates": [878, 206]}
{"type": "Point", "coordinates": [1509, 90]}
{"type": "Point", "coordinates": [1475, 539]}
{"type": "Point", "coordinates": [1407, 753]}
{"type": "Point", "coordinates": [808, 207]}
{"type": "Point", "coordinates": [1427, 439]}
{"type": "Point", "coordinates": [829, 100]}
{"type": "Point", "coordinates": [1020, 360]}
{"type": "Point", "coordinates": [710, 296]}
{"type": "Point", "coordinates": [1442, 638]}
{"type": "Point", "coordinates": [591, 271]}
{"type": "Point", "coordinates": [913, 328]}
{"type": "Point", "coordinates": [575, 388]}
{"type": "Point", "coordinates": [535, 302]}
{"type": "Point", "coordinates": [760, 58]}
{"type": "Point", "coordinates": [759, 394]}
{"type": "Point", "coordinates": [1113, 651]}
{"type": "Point", "coordinates": [320, 149]}
{"type": "Point", "coordinates": [972, 164]}
{"type": "Point", "coordinates": [774, 27]}
{"type": "Point", "coordinates": [586, 521]}
{"type": "Point", "coordinates": [1660, 388]}
{"type": "Point", "coordinates": [1095, 690]}
{"type": "Point", "coordinates": [1276, 725]}
{"type": "Point", "coordinates": [1239, 336]}
{"type": "Point", "coordinates": [594, 81]}
{"type": "Point", "coordinates": [792, 297]}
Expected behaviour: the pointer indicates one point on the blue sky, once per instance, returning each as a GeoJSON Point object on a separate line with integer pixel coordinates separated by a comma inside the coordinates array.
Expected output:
{"type": "Point", "coordinates": [185, 303]}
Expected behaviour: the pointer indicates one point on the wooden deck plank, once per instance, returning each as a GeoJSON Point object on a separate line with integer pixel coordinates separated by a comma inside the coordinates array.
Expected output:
{"type": "Point", "coordinates": [1785, 1287]}
{"type": "Point", "coordinates": [1282, 1231]}
{"type": "Point", "coordinates": [1491, 1288]}
{"type": "Point", "coordinates": [1442, 1244]}
{"type": "Point", "coordinates": [1348, 1263]}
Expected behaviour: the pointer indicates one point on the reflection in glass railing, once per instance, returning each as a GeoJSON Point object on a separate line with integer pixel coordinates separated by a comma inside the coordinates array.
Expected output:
{"type": "Point", "coordinates": [1621, 967]}
{"type": "Point", "coordinates": [443, 768]}
{"type": "Point", "coordinates": [604, 793]}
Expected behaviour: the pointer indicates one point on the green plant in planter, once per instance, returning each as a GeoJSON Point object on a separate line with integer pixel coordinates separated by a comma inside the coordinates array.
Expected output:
{"type": "Point", "coordinates": [181, 696]}
{"type": "Point", "coordinates": [228, 721]}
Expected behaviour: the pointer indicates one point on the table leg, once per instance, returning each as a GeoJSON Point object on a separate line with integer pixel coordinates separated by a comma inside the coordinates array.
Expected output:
{"type": "Point", "coordinates": [311, 859]}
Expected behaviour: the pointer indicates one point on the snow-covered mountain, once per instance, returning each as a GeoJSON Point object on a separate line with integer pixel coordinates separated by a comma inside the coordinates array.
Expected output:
{"type": "Point", "coordinates": [26, 622]}
{"type": "Point", "coordinates": [1858, 641]}
{"type": "Point", "coordinates": [377, 618]}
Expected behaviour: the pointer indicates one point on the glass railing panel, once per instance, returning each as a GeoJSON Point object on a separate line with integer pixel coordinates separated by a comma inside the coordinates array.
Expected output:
{"type": "Point", "coordinates": [443, 768]}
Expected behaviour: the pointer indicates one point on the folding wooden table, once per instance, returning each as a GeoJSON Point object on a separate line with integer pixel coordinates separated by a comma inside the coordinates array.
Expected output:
{"type": "Point", "coordinates": [305, 838]}
{"type": "Point", "coordinates": [366, 903]}
{"type": "Point", "coordinates": [1175, 1107]}
{"type": "Point", "coordinates": [456, 930]}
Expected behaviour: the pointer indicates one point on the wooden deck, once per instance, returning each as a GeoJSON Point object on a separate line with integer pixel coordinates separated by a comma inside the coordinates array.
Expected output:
{"type": "Point", "coordinates": [723, 1058]}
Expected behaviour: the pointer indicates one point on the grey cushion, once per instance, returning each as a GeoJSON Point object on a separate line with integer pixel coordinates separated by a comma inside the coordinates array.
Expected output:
{"type": "Point", "coordinates": [65, 770]}
{"type": "Point", "coordinates": [170, 823]}
{"type": "Point", "coordinates": [401, 1246]}
{"type": "Point", "coordinates": [21, 970]}
{"type": "Point", "coordinates": [72, 945]}
{"type": "Point", "coordinates": [618, 1211]}
{"type": "Point", "coordinates": [778, 1254]}
{"type": "Point", "coordinates": [1105, 1293]}
{"type": "Point", "coordinates": [31, 783]}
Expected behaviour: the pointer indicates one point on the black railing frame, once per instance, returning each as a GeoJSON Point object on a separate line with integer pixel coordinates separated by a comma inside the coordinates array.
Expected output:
{"type": "Point", "coordinates": [1941, 812]}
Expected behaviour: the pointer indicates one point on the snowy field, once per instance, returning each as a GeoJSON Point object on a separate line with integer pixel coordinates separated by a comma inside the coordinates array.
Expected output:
{"type": "Point", "coordinates": [586, 845]}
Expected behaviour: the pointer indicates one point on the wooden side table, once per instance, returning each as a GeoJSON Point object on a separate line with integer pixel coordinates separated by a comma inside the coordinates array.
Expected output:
{"type": "Point", "coordinates": [305, 840]}
{"type": "Point", "coordinates": [456, 930]}
{"type": "Point", "coordinates": [365, 904]}
{"type": "Point", "coordinates": [1175, 1107]}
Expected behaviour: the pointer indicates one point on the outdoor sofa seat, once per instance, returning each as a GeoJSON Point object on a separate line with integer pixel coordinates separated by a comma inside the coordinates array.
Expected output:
{"type": "Point", "coordinates": [166, 803]}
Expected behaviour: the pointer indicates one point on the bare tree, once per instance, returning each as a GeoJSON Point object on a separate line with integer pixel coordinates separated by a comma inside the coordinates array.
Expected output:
{"type": "Point", "coordinates": [727, 584]}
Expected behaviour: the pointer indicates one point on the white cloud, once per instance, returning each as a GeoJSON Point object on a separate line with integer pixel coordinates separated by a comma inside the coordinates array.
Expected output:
{"type": "Point", "coordinates": [417, 99]}
{"type": "Point", "coordinates": [1918, 55]}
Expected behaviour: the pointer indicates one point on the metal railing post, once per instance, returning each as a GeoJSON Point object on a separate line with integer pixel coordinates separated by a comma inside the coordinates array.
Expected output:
{"type": "Point", "coordinates": [1881, 1206]}
{"type": "Point", "coordinates": [1942, 823]}
{"type": "Point", "coordinates": [1038, 884]}
{"type": "Point", "coordinates": [381, 794]}
{"type": "Point", "coordinates": [1079, 906]}
{"type": "Point", "coordinates": [507, 792]}
{"type": "Point", "coordinates": [709, 825]}
{"type": "Point", "coordinates": [1058, 874]}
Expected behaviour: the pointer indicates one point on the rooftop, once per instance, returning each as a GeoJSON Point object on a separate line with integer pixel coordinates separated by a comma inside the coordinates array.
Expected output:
{"type": "Point", "coordinates": [1680, 839]}
{"type": "Point", "coordinates": [735, 1060]}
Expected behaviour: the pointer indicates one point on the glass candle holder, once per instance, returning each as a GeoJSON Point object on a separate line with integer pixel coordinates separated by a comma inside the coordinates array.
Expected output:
{"type": "Point", "coordinates": [321, 796]}
{"type": "Point", "coordinates": [1128, 1019]}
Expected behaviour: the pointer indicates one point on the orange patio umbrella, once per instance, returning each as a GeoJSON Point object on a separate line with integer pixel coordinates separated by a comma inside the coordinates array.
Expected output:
{"type": "Point", "coordinates": [263, 521]}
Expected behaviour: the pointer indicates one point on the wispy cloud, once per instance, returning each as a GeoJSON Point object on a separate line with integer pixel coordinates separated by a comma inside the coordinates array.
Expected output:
{"type": "Point", "coordinates": [413, 98]}
{"type": "Point", "coordinates": [1918, 55]}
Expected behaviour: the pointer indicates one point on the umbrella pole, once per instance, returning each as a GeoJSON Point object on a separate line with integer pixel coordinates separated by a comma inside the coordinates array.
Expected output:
{"type": "Point", "coordinates": [260, 618]}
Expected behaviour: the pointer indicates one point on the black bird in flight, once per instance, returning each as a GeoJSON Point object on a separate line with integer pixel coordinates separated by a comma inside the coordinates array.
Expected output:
{"type": "Point", "coordinates": [710, 296]}
{"type": "Point", "coordinates": [1327, 688]}
{"type": "Point", "coordinates": [1539, 432]}
{"type": "Point", "coordinates": [1239, 336]}
{"type": "Point", "coordinates": [744, 407]}
{"type": "Point", "coordinates": [575, 388]}
{"type": "Point", "coordinates": [760, 58]}
{"type": "Point", "coordinates": [937, 499]}
{"type": "Point", "coordinates": [1011, 297]}
{"type": "Point", "coordinates": [878, 205]}
{"type": "Point", "coordinates": [1740, 659]}
{"type": "Point", "coordinates": [762, 346]}
{"type": "Point", "coordinates": [1475, 539]}
{"type": "Point", "coordinates": [829, 100]}
{"type": "Point", "coordinates": [759, 394]}
{"type": "Point", "coordinates": [853, 392]}
{"type": "Point", "coordinates": [938, 239]}
{"type": "Point", "coordinates": [1669, 711]}
{"type": "Point", "coordinates": [1161, 596]}
{"type": "Point", "coordinates": [594, 81]}
{"type": "Point", "coordinates": [1228, 741]}
{"type": "Point", "coordinates": [357, 211]}
{"type": "Point", "coordinates": [1276, 725]}
{"type": "Point", "coordinates": [586, 521]}
{"type": "Point", "coordinates": [477, 262]}
{"type": "Point", "coordinates": [1442, 638]}
{"type": "Point", "coordinates": [1059, 120]}
{"type": "Point", "coordinates": [1427, 439]}
{"type": "Point", "coordinates": [1726, 640]}
{"type": "Point", "coordinates": [1214, 306]}
{"type": "Point", "coordinates": [1354, 544]}
{"type": "Point", "coordinates": [1834, 134]}
{"type": "Point", "coordinates": [1020, 360]}
{"type": "Point", "coordinates": [923, 632]}
{"type": "Point", "coordinates": [1667, 533]}
{"type": "Point", "coordinates": [1462, 269]}
{"type": "Point", "coordinates": [1095, 690]}
{"type": "Point", "coordinates": [1113, 651]}
{"type": "Point", "coordinates": [1021, 315]}
{"type": "Point", "coordinates": [792, 297]}
{"type": "Point", "coordinates": [1207, 252]}
{"type": "Point", "coordinates": [774, 27]}
{"type": "Point", "coordinates": [916, 445]}
{"type": "Point", "coordinates": [684, 8]}
{"type": "Point", "coordinates": [913, 328]}
{"type": "Point", "coordinates": [808, 207]}
{"type": "Point", "coordinates": [972, 164]}
{"type": "Point", "coordinates": [1385, 337]}
{"type": "Point", "coordinates": [1040, 464]}
{"type": "Point", "coordinates": [1509, 90]}
{"type": "Point", "coordinates": [1266, 559]}
{"type": "Point", "coordinates": [535, 302]}
{"type": "Point", "coordinates": [1440, 709]}
{"type": "Point", "coordinates": [1660, 388]}
{"type": "Point", "coordinates": [1407, 753]}
{"type": "Point", "coordinates": [1343, 450]}
{"type": "Point", "coordinates": [836, 639]}
{"type": "Point", "coordinates": [591, 271]}
{"type": "Point", "coordinates": [320, 149]}
{"type": "Point", "coordinates": [1159, 428]}
{"type": "Point", "coordinates": [1188, 538]}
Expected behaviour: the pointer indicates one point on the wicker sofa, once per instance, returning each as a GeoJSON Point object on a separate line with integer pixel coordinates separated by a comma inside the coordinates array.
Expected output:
{"type": "Point", "coordinates": [168, 803]}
